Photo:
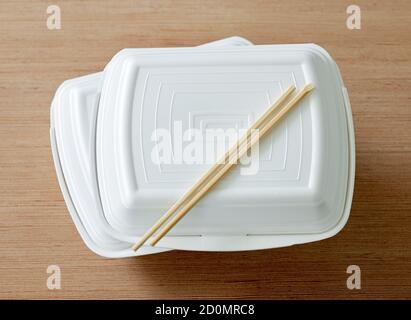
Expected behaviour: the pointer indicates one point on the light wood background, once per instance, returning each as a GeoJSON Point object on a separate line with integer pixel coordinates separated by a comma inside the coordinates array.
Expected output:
{"type": "Point", "coordinates": [36, 229]}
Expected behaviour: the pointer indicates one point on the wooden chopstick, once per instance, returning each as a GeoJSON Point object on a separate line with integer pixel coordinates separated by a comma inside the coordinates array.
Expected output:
{"type": "Point", "coordinates": [227, 166]}
{"type": "Point", "coordinates": [214, 168]}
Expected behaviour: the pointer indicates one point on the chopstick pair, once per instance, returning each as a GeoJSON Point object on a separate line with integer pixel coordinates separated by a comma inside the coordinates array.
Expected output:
{"type": "Point", "coordinates": [263, 124]}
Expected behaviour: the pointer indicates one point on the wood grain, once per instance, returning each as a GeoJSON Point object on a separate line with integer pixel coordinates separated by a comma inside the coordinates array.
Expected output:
{"type": "Point", "coordinates": [35, 224]}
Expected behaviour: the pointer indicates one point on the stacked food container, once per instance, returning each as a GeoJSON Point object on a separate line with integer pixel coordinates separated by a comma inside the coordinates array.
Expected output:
{"type": "Point", "coordinates": [102, 142]}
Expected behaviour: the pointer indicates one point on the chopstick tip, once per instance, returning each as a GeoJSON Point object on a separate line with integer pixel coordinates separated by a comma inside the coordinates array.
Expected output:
{"type": "Point", "coordinates": [291, 88]}
{"type": "Point", "coordinates": [309, 87]}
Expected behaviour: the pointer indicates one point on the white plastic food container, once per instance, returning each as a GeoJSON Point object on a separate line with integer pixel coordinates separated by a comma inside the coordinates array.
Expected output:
{"type": "Point", "coordinates": [302, 191]}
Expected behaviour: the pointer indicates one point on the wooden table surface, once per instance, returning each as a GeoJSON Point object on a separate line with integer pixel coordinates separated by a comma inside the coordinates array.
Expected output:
{"type": "Point", "coordinates": [35, 227]}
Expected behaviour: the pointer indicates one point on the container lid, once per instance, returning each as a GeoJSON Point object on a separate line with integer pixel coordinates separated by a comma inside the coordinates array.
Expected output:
{"type": "Point", "coordinates": [301, 183]}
